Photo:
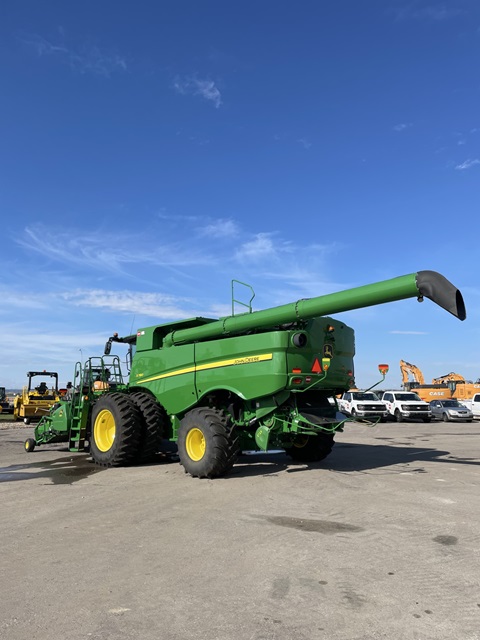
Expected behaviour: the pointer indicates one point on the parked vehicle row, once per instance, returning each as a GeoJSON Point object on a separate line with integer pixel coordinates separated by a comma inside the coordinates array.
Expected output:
{"type": "Point", "coordinates": [406, 405]}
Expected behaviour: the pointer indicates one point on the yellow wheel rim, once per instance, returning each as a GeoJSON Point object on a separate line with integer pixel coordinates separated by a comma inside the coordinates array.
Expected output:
{"type": "Point", "coordinates": [301, 441]}
{"type": "Point", "coordinates": [195, 444]}
{"type": "Point", "coordinates": [104, 430]}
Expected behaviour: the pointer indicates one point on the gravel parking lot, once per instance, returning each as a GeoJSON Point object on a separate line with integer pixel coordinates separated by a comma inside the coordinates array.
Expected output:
{"type": "Point", "coordinates": [380, 540]}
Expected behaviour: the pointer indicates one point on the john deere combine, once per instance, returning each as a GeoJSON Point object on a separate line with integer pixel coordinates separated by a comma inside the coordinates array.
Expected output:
{"type": "Point", "coordinates": [255, 380]}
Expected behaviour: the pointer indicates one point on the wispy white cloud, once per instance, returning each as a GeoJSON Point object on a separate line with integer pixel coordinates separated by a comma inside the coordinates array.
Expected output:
{"type": "Point", "coordinates": [306, 144]}
{"type": "Point", "coordinates": [22, 300]}
{"type": "Point", "coordinates": [156, 305]}
{"type": "Point", "coordinates": [220, 229]}
{"type": "Point", "coordinates": [467, 164]}
{"type": "Point", "coordinates": [402, 126]}
{"type": "Point", "coordinates": [176, 243]}
{"type": "Point", "coordinates": [85, 58]}
{"type": "Point", "coordinates": [90, 250]}
{"type": "Point", "coordinates": [26, 346]}
{"type": "Point", "coordinates": [261, 247]}
{"type": "Point", "coordinates": [410, 333]}
{"type": "Point", "coordinates": [204, 87]}
{"type": "Point", "coordinates": [435, 12]}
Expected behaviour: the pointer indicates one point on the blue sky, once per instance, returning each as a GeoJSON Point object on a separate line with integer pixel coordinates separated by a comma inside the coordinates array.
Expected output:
{"type": "Point", "coordinates": [152, 151]}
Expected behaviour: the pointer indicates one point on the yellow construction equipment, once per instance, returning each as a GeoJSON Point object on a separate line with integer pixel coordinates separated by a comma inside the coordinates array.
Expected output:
{"type": "Point", "coordinates": [461, 389]}
{"type": "Point", "coordinates": [35, 402]}
{"type": "Point", "coordinates": [449, 377]}
{"type": "Point", "coordinates": [426, 392]}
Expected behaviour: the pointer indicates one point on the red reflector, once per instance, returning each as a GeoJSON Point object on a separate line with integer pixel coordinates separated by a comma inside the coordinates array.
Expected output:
{"type": "Point", "coordinates": [296, 371]}
{"type": "Point", "coordinates": [297, 380]}
{"type": "Point", "coordinates": [316, 367]}
{"type": "Point", "coordinates": [308, 379]}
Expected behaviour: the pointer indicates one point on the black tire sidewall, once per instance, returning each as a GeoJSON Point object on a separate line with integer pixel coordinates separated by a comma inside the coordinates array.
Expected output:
{"type": "Point", "coordinates": [154, 422]}
{"type": "Point", "coordinates": [127, 430]}
{"type": "Point", "coordinates": [220, 444]}
{"type": "Point", "coordinates": [316, 448]}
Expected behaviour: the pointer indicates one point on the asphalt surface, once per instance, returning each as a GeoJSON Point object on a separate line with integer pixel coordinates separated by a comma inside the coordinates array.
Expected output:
{"type": "Point", "coordinates": [380, 540]}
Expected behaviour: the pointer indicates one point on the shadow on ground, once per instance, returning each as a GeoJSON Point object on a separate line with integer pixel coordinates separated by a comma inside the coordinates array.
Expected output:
{"type": "Point", "coordinates": [346, 458]}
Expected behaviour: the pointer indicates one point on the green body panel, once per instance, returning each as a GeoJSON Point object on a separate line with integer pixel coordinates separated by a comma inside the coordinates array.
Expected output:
{"type": "Point", "coordinates": [168, 374]}
{"type": "Point", "coordinates": [250, 366]}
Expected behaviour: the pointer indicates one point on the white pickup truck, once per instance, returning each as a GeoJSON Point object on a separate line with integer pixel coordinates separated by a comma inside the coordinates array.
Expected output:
{"type": "Point", "coordinates": [473, 405]}
{"type": "Point", "coordinates": [362, 404]}
{"type": "Point", "coordinates": [406, 405]}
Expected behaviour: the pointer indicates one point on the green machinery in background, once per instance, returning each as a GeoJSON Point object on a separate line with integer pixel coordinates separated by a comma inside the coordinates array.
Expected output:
{"type": "Point", "coordinates": [251, 381]}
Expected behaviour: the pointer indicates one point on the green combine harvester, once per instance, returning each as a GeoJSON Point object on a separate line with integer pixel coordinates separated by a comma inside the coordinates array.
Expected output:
{"type": "Point", "coordinates": [258, 380]}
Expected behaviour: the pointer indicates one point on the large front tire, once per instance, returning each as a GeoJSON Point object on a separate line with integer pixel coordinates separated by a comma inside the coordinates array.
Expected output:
{"type": "Point", "coordinates": [311, 448]}
{"type": "Point", "coordinates": [116, 430]}
{"type": "Point", "coordinates": [207, 444]}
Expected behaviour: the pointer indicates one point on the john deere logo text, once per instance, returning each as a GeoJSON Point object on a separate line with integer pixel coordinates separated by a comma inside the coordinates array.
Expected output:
{"type": "Point", "coordinates": [247, 360]}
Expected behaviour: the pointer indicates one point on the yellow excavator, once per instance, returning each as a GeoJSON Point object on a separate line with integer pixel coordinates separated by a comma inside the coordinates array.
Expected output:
{"type": "Point", "coordinates": [427, 392]}
{"type": "Point", "coordinates": [36, 401]}
{"type": "Point", "coordinates": [461, 389]}
{"type": "Point", "coordinates": [449, 377]}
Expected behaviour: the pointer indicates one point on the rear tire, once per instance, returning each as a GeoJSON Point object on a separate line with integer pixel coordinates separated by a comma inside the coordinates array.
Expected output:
{"type": "Point", "coordinates": [153, 423]}
{"type": "Point", "coordinates": [116, 430]}
{"type": "Point", "coordinates": [311, 448]}
{"type": "Point", "coordinates": [207, 444]}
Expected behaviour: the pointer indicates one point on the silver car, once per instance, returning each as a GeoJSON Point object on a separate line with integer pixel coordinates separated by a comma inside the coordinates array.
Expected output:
{"type": "Point", "coordinates": [450, 410]}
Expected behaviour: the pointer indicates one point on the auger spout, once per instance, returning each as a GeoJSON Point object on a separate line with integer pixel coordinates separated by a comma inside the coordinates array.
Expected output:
{"type": "Point", "coordinates": [429, 284]}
